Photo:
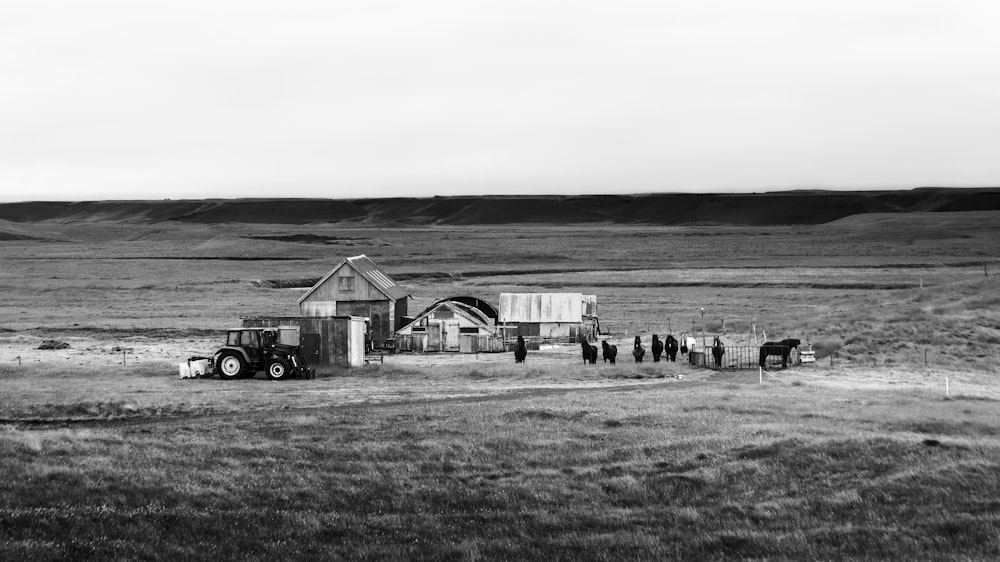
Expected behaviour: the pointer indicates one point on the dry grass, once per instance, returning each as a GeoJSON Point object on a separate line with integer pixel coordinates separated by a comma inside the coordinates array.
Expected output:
{"type": "Point", "coordinates": [713, 471]}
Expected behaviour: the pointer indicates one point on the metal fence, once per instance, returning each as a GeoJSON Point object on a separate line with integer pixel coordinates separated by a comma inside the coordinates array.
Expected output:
{"type": "Point", "coordinates": [735, 357]}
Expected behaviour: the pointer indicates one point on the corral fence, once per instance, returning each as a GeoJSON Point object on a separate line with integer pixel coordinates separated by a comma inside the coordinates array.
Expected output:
{"type": "Point", "coordinates": [737, 357]}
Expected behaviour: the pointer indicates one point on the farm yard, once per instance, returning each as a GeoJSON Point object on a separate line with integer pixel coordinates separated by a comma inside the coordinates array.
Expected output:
{"type": "Point", "coordinates": [887, 447]}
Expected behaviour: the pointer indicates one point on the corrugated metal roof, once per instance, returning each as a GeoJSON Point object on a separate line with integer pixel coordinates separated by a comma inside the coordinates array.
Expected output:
{"type": "Point", "coordinates": [367, 268]}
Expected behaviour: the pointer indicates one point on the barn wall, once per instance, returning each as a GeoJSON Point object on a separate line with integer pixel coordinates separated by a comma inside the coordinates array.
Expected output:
{"type": "Point", "coordinates": [541, 307]}
{"type": "Point", "coordinates": [330, 290]}
{"type": "Point", "coordinates": [325, 341]}
{"type": "Point", "coordinates": [377, 312]}
{"type": "Point", "coordinates": [468, 343]}
{"type": "Point", "coordinates": [399, 312]}
{"type": "Point", "coordinates": [567, 331]}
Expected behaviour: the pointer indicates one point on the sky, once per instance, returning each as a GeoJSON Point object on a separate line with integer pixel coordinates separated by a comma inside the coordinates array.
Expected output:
{"type": "Point", "coordinates": [217, 98]}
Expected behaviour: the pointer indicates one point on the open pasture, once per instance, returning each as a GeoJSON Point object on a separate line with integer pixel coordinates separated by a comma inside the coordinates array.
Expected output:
{"type": "Point", "coordinates": [462, 457]}
{"type": "Point", "coordinates": [545, 462]}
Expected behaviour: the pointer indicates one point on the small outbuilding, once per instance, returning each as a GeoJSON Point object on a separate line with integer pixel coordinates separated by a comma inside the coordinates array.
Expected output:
{"type": "Point", "coordinates": [326, 342]}
{"type": "Point", "coordinates": [549, 316]}
{"type": "Point", "coordinates": [462, 324]}
{"type": "Point", "coordinates": [358, 287]}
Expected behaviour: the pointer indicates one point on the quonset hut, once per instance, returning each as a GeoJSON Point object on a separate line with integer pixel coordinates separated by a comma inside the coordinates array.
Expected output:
{"type": "Point", "coordinates": [463, 324]}
{"type": "Point", "coordinates": [357, 287]}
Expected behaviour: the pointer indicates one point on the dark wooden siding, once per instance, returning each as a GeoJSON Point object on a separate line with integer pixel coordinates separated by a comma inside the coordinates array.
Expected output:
{"type": "Point", "coordinates": [325, 341]}
{"type": "Point", "coordinates": [378, 314]}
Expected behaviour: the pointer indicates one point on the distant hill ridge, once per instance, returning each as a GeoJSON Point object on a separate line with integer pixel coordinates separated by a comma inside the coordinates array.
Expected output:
{"type": "Point", "coordinates": [771, 208]}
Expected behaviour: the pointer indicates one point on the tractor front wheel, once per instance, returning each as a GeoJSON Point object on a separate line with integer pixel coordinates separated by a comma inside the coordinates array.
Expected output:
{"type": "Point", "coordinates": [276, 369]}
{"type": "Point", "coordinates": [231, 366]}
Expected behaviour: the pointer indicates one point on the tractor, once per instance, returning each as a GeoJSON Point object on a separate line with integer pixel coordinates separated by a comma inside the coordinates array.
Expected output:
{"type": "Point", "coordinates": [249, 350]}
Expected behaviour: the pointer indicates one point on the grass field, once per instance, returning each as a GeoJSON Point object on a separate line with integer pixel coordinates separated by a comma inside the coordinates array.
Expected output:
{"type": "Point", "coordinates": [713, 467]}
{"type": "Point", "coordinates": [861, 456]}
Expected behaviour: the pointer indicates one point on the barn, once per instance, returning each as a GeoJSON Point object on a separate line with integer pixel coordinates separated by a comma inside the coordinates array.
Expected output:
{"type": "Point", "coordinates": [336, 340]}
{"type": "Point", "coordinates": [357, 287]}
{"type": "Point", "coordinates": [549, 316]}
{"type": "Point", "coordinates": [462, 323]}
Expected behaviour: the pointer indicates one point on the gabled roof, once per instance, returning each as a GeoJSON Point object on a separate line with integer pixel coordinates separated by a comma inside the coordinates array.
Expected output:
{"type": "Point", "coordinates": [367, 268]}
{"type": "Point", "coordinates": [466, 309]}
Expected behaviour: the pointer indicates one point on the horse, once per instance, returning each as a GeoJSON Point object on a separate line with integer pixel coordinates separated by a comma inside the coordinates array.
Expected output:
{"type": "Point", "coordinates": [671, 348]}
{"type": "Point", "coordinates": [589, 352]}
{"type": "Point", "coordinates": [718, 350]}
{"type": "Point", "coordinates": [782, 348]}
{"type": "Point", "coordinates": [657, 347]}
{"type": "Point", "coordinates": [520, 350]}
{"type": "Point", "coordinates": [687, 343]}
{"type": "Point", "coordinates": [610, 351]}
{"type": "Point", "coordinates": [637, 350]}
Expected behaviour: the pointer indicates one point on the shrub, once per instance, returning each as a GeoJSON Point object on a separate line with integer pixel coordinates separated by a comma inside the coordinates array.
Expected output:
{"type": "Point", "coordinates": [826, 348]}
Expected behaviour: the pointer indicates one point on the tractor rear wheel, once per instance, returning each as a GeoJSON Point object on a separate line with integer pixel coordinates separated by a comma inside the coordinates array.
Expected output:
{"type": "Point", "coordinates": [231, 366]}
{"type": "Point", "coordinates": [276, 369]}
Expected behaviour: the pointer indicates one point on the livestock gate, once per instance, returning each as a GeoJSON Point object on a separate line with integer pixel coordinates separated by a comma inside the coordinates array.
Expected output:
{"type": "Point", "coordinates": [739, 357]}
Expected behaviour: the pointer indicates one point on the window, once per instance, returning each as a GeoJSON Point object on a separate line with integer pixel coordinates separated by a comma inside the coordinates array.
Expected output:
{"type": "Point", "coordinates": [249, 339]}
{"type": "Point", "coordinates": [345, 284]}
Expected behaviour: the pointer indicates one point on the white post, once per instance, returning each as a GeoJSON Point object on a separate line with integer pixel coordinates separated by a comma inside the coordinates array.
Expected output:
{"type": "Point", "coordinates": [947, 387]}
{"type": "Point", "coordinates": [761, 374]}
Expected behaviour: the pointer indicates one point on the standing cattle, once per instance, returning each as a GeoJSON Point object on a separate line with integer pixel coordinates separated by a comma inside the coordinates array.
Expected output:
{"type": "Point", "coordinates": [610, 352]}
{"type": "Point", "coordinates": [671, 348]}
{"type": "Point", "coordinates": [520, 350]}
{"type": "Point", "coordinates": [657, 347]}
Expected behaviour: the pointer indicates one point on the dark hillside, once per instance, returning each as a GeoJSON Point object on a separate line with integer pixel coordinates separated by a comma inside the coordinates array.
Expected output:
{"type": "Point", "coordinates": [775, 208]}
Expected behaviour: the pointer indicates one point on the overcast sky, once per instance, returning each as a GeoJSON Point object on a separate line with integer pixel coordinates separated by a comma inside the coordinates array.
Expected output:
{"type": "Point", "coordinates": [210, 98]}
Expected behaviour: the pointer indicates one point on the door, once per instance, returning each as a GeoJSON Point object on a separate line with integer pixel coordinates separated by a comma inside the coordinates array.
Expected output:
{"type": "Point", "coordinates": [451, 332]}
{"type": "Point", "coordinates": [251, 343]}
{"type": "Point", "coordinates": [311, 348]}
{"type": "Point", "coordinates": [434, 330]}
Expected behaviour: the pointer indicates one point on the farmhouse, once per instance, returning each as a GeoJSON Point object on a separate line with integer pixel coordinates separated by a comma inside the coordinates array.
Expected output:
{"type": "Point", "coordinates": [357, 287]}
{"type": "Point", "coordinates": [462, 323]}
{"type": "Point", "coordinates": [549, 316]}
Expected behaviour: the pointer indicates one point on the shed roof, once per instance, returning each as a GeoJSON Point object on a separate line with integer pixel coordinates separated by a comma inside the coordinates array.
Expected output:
{"type": "Point", "coordinates": [367, 269]}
